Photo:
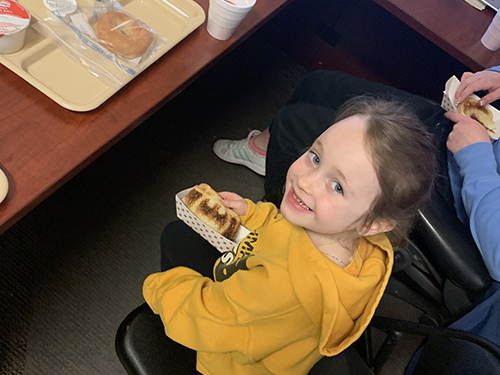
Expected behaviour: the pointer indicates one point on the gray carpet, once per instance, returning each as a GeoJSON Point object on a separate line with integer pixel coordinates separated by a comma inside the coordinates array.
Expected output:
{"type": "Point", "coordinates": [73, 268]}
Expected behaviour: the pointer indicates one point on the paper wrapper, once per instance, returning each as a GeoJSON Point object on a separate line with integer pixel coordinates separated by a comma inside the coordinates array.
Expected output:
{"type": "Point", "coordinates": [220, 242]}
{"type": "Point", "coordinates": [449, 98]}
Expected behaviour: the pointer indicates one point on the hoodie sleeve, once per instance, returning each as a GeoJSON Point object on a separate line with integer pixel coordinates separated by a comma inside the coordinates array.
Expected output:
{"type": "Point", "coordinates": [217, 316]}
{"type": "Point", "coordinates": [481, 198]}
{"type": "Point", "coordinates": [258, 215]}
{"type": "Point", "coordinates": [195, 310]}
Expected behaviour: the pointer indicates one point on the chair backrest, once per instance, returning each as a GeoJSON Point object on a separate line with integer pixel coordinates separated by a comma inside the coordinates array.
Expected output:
{"type": "Point", "coordinates": [440, 271]}
{"type": "Point", "coordinates": [451, 246]}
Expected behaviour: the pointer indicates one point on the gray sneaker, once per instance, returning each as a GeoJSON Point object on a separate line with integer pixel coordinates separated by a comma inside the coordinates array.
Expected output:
{"type": "Point", "coordinates": [239, 152]}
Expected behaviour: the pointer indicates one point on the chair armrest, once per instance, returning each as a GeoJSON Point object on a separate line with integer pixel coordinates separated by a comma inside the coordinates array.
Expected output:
{"type": "Point", "coordinates": [426, 330]}
{"type": "Point", "coordinates": [445, 351]}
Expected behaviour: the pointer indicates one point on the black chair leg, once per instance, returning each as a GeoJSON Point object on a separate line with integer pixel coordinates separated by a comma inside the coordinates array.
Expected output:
{"type": "Point", "coordinates": [386, 350]}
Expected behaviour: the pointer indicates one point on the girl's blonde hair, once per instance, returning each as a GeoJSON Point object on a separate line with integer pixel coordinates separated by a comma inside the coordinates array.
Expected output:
{"type": "Point", "coordinates": [404, 159]}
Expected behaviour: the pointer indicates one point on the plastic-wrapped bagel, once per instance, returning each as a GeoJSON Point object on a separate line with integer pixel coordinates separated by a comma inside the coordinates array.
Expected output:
{"type": "Point", "coordinates": [126, 36]}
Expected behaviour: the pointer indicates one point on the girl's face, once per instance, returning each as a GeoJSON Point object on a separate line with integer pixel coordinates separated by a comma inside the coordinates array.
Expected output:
{"type": "Point", "coordinates": [331, 187]}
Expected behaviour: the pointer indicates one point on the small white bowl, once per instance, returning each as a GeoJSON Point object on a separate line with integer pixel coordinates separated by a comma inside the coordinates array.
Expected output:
{"type": "Point", "coordinates": [14, 20]}
{"type": "Point", "coordinates": [4, 186]}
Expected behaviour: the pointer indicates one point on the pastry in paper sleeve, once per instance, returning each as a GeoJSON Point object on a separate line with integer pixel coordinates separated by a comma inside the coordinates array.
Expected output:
{"type": "Point", "coordinates": [486, 115]}
{"type": "Point", "coordinates": [206, 204]}
{"type": "Point", "coordinates": [482, 114]}
{"type": "Point", "coordinates": [200, 208]}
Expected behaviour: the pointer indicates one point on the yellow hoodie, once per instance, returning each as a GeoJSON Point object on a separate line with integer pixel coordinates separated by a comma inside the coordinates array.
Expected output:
{"type": "Point", "coordinates": [277, 304]}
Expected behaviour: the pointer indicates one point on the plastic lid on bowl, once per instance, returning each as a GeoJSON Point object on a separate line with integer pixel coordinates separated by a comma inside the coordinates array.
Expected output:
{"type": "Point", "coordinates": [64, 7]}
{"type": "Point", "coordinates": [13, 17]}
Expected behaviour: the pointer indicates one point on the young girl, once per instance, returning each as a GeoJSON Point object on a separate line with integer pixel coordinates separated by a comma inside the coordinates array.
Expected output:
{"type": "Point", "coordinates": [306, 281]}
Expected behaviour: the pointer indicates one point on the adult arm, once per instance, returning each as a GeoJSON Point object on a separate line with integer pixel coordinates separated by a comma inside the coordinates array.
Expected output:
{"type": "Point", "coordinates": [481, 198]}
{"type": "Point", "coordinates": [480, 193]}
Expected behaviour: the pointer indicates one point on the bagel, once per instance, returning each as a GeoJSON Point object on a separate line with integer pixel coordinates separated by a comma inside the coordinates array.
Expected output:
{"type": "Point", "coordinates": [471, 107]}
{"type": "Point", "coordinates": [126, 36]}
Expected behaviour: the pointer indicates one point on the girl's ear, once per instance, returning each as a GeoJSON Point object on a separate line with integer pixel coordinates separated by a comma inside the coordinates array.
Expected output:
{"type": "Point", "coordinates": [378, 226]}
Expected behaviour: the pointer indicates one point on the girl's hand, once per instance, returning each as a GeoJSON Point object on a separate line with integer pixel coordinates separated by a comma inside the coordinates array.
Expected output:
{"type": "Point", "coordinates": [234, 201]}
{"type": "Point", "coordinates": [466, 131]}
{"type": "Point", "coordinates": [484, 80]}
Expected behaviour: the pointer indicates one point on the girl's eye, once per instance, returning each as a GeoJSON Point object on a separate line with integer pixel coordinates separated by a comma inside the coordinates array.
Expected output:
{"type": "Point", "coordinates": [337, 187]}
{"type": "Point", "coordinates": [314, 157]}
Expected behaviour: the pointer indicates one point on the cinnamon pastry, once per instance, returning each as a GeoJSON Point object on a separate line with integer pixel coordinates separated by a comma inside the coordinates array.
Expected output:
{"type": "Point", "coordinates": [205, 204]}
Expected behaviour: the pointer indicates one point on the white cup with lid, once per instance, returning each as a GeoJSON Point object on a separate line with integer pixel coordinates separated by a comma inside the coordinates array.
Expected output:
{"type": "Point", "coordinates": [14, 21]}
{"type": "Point", "coordinates": [224, 16]}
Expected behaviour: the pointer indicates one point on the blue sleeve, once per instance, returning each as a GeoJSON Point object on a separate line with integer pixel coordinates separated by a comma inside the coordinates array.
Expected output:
{"type": "Point", "coordinates": [494, 68]}
{"type": "Point", "coordinates": [481, 198]}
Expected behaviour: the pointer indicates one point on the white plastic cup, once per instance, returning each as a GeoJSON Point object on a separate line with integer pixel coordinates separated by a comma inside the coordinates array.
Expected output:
{"type": "Point", "coordinates": [495, 30]}
{"type": "Point", "coordinates": [496, 24]}
{"type": "Point", "coordinates": [496, 21]}
{"type": "Point", "coordinates": [224, 16]}
{"type": "Point", "coordinates": [15, 21]}
{"type": "Point", "coordinates": [491, 38]}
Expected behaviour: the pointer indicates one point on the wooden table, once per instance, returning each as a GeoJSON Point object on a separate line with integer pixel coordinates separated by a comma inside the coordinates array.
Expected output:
{"type": "Point", "coordinates": [453, 25]}
{"type": "Point", "coordinates": [43, 145]}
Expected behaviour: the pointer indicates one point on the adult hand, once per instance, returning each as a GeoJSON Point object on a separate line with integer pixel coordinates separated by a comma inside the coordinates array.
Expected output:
{"type": "Point", "coordinates": [234, 201]}
{"type": "Point", "coordinates": [484, 80]}
{"type": "Point", "coordinates": [466, 131]}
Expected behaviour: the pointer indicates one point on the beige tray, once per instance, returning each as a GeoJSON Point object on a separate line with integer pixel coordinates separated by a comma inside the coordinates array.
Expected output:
{"type": "Point", "coordinates": [69, 84]}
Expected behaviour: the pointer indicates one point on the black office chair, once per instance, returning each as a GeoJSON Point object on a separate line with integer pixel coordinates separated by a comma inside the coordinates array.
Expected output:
{"type": "Point", "coordinates": [439, 271]}
{"type": "Point", "coordinates": [144, 349]}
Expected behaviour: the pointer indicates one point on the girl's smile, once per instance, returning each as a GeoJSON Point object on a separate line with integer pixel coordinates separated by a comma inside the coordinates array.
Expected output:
{"type": "Point", "coordinates": [295, 201]}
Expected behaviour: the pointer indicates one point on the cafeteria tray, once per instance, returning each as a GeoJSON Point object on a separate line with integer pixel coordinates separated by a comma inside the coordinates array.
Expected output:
{"type": "Point", "coordinates": [67, 82]}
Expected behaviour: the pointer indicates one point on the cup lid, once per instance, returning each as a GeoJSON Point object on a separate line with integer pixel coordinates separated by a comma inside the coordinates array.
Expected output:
{"type": "Point", "coordinates": [13, 17]}
{"type": "Point", "coordinates": [62, 6]}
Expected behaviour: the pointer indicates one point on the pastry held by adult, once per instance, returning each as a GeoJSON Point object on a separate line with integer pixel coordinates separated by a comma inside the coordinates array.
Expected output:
{"type": "Point", "coordinates": [472, 108]}
{"type": "Point", "coordinates": [126, 36]}
{"type": "Point", "coordinates": [205, 204]}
